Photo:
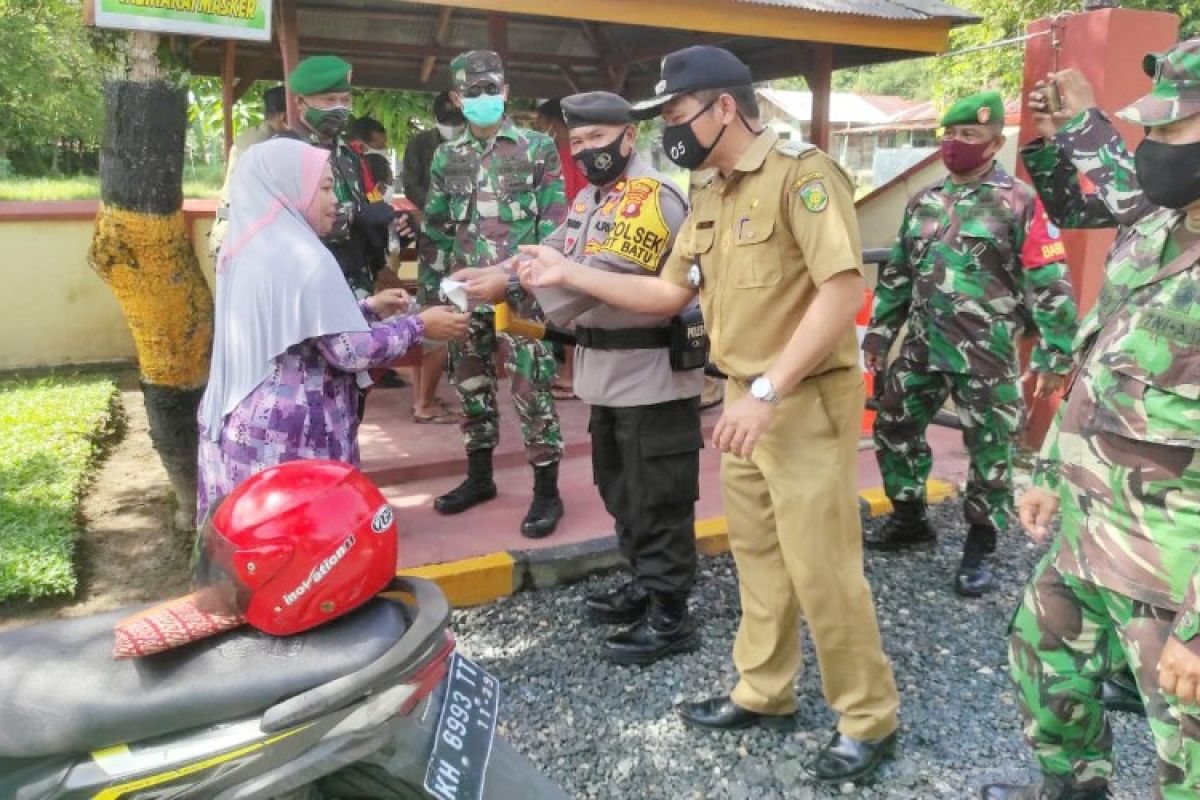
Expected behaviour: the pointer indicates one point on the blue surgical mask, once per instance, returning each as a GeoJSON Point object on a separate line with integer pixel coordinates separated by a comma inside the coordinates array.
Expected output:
{"type": "Point", "coordinates": [485, 110]}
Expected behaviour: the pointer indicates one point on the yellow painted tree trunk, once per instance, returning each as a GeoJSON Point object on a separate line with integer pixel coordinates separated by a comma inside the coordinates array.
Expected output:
{"type": "Point", "coordinates": [142, 251]}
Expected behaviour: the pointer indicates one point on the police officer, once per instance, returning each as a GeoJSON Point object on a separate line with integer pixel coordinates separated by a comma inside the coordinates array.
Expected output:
{"type": "Point", "coordinates": [494, 188]}
{"type": "Point", "coordinates": [322, 84]}
{"type": "Point", "coordinates": [771, 245]}
{"type": "Point", "coordinates": [972, 248]}
{"type": "Point", "coordinates": [645, 416]}
{"type": "Point", "coordinates": [1120, 584]}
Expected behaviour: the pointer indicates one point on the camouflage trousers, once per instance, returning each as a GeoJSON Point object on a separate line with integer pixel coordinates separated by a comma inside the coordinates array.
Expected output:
{"type": "Point", "coordinates": [990, 410]}
{"type": "Point", "coordinates": [1068, 635]}
{"type": "Point", "coordinates": [531, 369]}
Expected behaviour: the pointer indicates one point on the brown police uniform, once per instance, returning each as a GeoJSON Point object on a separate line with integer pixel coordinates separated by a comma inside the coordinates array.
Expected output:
{"type": "Point", "coordinates": [758, 244]}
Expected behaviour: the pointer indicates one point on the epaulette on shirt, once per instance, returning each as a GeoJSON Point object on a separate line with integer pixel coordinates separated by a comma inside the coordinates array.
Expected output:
{"type": "Point", "coordinates": [794, 148]}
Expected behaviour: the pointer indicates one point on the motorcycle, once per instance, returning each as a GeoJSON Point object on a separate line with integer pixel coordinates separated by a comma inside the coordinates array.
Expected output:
{"type": "Point", "coordinates": [375, 704]}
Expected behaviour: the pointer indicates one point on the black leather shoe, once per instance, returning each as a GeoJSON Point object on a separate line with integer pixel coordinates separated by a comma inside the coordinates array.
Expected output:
{"type": "Point", "coordinates": [667, 629]}
{"type": "Point", "coordinates": [623, 606]}
{"type": "Point", "coordinates": [479, 487]}
{"type": "Point", "coordinates": [547, 507]}
{"type": "Point", "coordinates": [1119, 693]}
{"type": "Point", "coordinates": [849, 760]}
{"type": "Point", "coordinates": [1040, 791]}
{"type": "Point", "coordinates": [722, 714]}
{"type": "Point", "coordinates": [974, 577]}
{"type": "Point", "coordinates": [907, 527]}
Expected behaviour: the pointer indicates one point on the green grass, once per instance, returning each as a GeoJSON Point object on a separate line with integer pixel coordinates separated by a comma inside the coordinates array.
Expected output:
{"type": "Point", "coordinates": [203, 181]}
{"type": "Point", "coordinates": [51, 430]}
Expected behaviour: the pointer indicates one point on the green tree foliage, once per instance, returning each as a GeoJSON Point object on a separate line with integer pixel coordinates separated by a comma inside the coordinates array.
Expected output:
{"type": "Point", "coordinates": [401, 113]}
{"type": "Point", "coordinates": [51, 91]}
{"type": "Point", "coordinates": [1002, 67]}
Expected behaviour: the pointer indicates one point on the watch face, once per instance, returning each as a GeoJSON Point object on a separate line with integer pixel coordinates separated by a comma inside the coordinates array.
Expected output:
{"type": "Point", "coordinates": [759, 388]}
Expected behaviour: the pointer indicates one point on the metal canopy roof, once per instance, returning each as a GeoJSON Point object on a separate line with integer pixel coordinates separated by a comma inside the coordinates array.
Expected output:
{"type": "Point", "coordinates": [555, 47]}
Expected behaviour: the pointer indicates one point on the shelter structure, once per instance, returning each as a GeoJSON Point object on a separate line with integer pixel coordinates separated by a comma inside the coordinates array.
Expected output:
{"type": "Point", "coordinates": [554, 48]}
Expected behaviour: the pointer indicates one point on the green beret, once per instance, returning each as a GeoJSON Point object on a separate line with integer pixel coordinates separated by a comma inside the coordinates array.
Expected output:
{"type": "Point", "coordinates": [320, 74]}
{"type": "Point", "coordinates": [985, 108]}
{"type": "Point", "coordinates": [596, 108]}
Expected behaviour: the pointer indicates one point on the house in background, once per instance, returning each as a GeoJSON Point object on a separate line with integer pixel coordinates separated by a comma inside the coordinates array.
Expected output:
{"type": "Point", "coordinates": [875, 137]}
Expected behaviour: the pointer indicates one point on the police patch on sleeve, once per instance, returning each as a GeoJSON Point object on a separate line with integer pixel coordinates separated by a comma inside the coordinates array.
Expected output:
{"type": "Point", "coordinates": [812, 192]}
{"type": "Point", "coordinates": [639, 233]}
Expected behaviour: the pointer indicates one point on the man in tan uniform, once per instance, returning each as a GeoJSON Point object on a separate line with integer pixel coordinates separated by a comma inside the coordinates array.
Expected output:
{"type": "Point", "coordinates": [772, 247]}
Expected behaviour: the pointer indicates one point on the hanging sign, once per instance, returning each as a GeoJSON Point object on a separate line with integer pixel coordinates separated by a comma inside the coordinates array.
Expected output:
{"type": "Point", "coordinates": [219, 19]}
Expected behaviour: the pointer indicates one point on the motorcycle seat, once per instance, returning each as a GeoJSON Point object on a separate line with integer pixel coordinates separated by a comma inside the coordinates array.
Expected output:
{"type": "Point", "coordinates": [62, 692]}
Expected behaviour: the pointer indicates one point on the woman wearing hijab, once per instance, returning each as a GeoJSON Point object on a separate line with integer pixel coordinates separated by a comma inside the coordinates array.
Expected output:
{"type": "Point", "coordinates": [291, 343]}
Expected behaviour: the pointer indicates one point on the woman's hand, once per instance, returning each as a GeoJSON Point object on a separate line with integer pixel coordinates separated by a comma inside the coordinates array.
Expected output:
{"type": "Point", "coordinates": [442, 323]}
{"type": "Point", "coordinates": [389, 303]}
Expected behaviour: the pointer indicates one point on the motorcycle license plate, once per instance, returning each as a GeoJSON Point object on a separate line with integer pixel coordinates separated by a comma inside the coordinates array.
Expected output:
{"type": "Point", "coordinates": [465, 730]}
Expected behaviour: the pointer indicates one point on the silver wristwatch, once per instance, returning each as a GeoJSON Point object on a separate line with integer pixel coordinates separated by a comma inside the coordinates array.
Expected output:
{"type": "Point", "coordinates": [762, 389]}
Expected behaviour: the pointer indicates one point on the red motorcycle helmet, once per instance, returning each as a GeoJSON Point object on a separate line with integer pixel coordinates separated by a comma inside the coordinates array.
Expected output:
{"type": "Point", "coordinates": [290, 548]}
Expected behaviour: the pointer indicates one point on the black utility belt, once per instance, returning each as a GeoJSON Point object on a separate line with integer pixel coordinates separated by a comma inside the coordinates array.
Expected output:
{"type": "Point", "coordinates": [685, 339]}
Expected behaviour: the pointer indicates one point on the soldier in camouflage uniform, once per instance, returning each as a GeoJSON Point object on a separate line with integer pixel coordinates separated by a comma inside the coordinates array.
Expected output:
{"type": "Point", "coordinates": [494, 188]}
{"type": "Point", "coordinates": [1121, 582]}
{"type": "Point", "coordinates": [322, 86]}
{"type": "Point", "coordinates": [974, 253]}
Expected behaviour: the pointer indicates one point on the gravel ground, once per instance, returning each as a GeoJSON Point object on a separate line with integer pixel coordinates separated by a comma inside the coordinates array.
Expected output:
{"type": "Point", "coordinates": [606, 731]}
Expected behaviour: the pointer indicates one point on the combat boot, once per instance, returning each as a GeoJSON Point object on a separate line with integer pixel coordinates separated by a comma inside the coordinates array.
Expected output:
{"type": "Point", "coordinates": [666, 629]}
{"type": "Point", "coordinates": [479, 487]}
{"type": "Point", "coordinates": [547, 507]}
{"type": "Point", "coordinates": [974, 576]}
{"type": "Point", "coordinates": [1052, 788]}
{"type": "Point", "coordinates": [906, 527]}
{"type": "Point", "coordinates": [623, 606]}
{"type": "Point", "coordinates": [1120, 693]}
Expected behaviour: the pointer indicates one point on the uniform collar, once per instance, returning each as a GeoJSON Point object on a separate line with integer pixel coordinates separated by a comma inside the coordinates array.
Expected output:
{"type": "Point", "coordinates": [753, 159]}
{"type": "Point", "coordinates": [1158, 221]}
{"type": "Point", "coordinates": [996, 176]}
{"type": "Point", "coordinates": [507, 130]}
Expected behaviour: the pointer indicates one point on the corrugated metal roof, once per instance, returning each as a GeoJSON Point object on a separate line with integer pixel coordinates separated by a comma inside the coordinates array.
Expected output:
{"type": "Point", "coordinates": [882, 9]}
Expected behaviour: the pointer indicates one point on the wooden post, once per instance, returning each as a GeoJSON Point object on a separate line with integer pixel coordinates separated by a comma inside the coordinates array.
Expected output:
{"type": "Point", "coordinates": [820, 83]}
{"type": "Point", "coordinates": [498, 34]}
{"type": "Point", "coordinates": [439, 38]}
{"type": "Point", "coordinates": [289, 49]}
{"type": "Point", "coordinates": [228, 77]}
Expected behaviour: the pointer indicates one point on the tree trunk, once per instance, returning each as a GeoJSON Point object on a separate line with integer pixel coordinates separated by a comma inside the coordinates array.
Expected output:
{"type": "Point", "coordinates": [142, 251]}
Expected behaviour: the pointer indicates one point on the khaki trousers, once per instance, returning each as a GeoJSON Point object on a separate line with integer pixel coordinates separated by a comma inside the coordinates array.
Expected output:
{"type": "Point", "coordinates": [796, 535]}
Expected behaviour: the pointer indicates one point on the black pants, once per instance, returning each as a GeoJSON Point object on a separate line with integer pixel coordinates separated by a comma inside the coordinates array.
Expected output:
{"type": "Point", "coordinates": [646, 463]}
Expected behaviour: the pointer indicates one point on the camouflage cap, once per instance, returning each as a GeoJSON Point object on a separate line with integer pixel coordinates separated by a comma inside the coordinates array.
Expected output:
{"type": "Point", "coordinates": [476, 66]}
{"type": "Point", "coordinates": [1176, 92]}
{"type": "Point", "coordinates": [984, 108]}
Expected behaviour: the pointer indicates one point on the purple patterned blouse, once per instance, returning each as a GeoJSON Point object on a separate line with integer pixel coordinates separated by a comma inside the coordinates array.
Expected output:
{"type": "Point", "coordinates": [306, 408]}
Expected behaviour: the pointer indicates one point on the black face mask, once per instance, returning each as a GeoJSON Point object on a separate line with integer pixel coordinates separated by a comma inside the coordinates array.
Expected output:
{"type": "Point", "coordinates": [603, 165]}
{"type": "Point", "coordinates": [328, 122]}
{"type": "Point", "coordinates": [682, 146]}
{"type": "Point", "coordinates": [1169, 173]}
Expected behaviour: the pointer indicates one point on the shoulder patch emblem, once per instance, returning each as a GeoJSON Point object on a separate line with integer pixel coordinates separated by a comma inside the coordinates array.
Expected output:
{"type": "Point", "coordinates": [639, 232]}
{"type": "Point", "coordinates": [812, 191]}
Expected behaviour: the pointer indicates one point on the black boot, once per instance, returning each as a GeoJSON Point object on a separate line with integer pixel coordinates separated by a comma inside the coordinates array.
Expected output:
{"type": "Point", "coordinates": [906, 527]}
{"type": "Point", "coordinates": [1120, 693]}
{"type": "Point", "coordinates": [547, 507]}
{"type": "Point", "coordinates": [665, 630]}
{"type": "Point", "coordinates": [974, 576]}
{"type": "Point", "coordinates": [1050, 789]}
{"type": "Point", "coordinates": [624, 606]}
{"type": "Point", "coordinates": [479, 487]}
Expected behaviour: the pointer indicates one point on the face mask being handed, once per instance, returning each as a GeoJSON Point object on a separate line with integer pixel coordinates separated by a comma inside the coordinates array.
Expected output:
{"type": "Point", "coordinates": [449, 132]}
{"type": "Point", "coordinates": [682, 146]}
{"type": "Point", "coordinates": [485, 110]}
{"type": "Point", "coordinates": [328, 122]}
{"type": "Point", "coordinates": [1169, 173]}
{"type": "Point", "coordinates": [962, 158]}
{"type": "Point", "coordinates": [603, 165]}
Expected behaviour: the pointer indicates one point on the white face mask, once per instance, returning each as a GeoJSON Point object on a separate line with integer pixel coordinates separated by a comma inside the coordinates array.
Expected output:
{"type": "Point", "coordinates": [388, 193]}
{"type": "Point", "coordinates": [449, 132]}
{"type": "Point", "coordinates": [385, 153]}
